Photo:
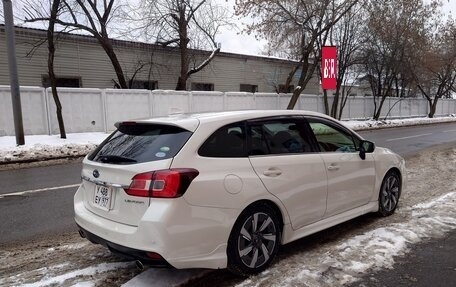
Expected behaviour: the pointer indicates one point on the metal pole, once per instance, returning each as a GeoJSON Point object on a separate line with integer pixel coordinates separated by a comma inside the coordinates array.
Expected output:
{"type": "Point", "coordinates": [14, 82]}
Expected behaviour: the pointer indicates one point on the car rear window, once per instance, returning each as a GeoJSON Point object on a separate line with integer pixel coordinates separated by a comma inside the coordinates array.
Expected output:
{"type": "Point", "coordinates": [138, 143]}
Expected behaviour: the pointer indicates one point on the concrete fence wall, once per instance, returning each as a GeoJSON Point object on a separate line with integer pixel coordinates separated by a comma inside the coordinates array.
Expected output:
{"type": "Point", "coordinates": [96, 110]}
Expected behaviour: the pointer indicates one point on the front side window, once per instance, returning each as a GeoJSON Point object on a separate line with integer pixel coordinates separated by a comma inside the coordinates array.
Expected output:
{"type": "Point", "coordinates": [227, 141]}
{"type": "Point", "coordinates": [137, 143]}
{"type": "Point", "coordinates": [280, 136]}
{"type": "Point", "coordinates": [331, 138]}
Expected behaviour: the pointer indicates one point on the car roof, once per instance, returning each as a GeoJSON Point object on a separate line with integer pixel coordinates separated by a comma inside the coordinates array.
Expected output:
{"type": "Point", "coordinates": [190, 121]}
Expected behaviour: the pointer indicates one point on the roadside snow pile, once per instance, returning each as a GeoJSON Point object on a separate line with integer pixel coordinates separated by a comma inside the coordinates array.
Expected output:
{"type": "Point", "coordinates": [371, 124]}
{"type": "Point", "coordinates": [41, 147]}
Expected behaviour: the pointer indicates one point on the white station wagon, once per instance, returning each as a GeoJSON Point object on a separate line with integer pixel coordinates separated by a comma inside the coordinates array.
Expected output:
{"type": "Point", "coordinates": [226, 189]}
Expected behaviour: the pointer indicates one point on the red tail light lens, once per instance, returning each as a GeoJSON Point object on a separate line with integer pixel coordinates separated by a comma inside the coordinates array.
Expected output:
{"type": "Point", "coordinates": [167, 183]}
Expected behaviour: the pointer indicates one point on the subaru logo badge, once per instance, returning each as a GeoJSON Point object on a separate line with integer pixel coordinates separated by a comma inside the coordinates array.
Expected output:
{"type": "Point", "coordinates": [96, 174]}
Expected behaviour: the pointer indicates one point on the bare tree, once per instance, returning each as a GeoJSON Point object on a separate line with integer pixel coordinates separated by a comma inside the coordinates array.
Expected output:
{"type": "Point", "coordinates": [187, 25]}
{"type": "Point", "coordinates": [396, 28]}
{"type": "Point", "coordinates": [93, 17]}
{"type": "Point", "coordinates": [52, 12]}
{"type": "Point", "coordinates": [295, 26]}
{"type": "Point", "coordinates": [55, 9]}
{"type": "Point", "coordinates": [436, 71]}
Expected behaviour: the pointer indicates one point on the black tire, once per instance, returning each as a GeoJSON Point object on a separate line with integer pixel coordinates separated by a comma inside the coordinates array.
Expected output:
{"type": "Point", "coordinates": [389, 194]}
{"type": "Point", "coordinates": [251, 248]}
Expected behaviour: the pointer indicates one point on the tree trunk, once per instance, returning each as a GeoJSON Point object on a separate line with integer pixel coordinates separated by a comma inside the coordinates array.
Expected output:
{"type": "Point", "coordinates": [432, 107]}
{"type": "Point", "coordinates": [379, 109]}
{"type": "Point", "coordinates": [325, 101]}
{"type": "Point", "coordinates": [335, 103]}
{"type": "Point", "coordinates": [183, 76]}
{"type": "Point", "coordinates": [183, 46]}
{"type": "Point", "coordinates": [52, 77]}
{"type": "Point", "coordinates": [306, 74]}
{"type": "Point", "coordinates": [343, 100]}
{"type": "Point", "coordinates": [107, 46]}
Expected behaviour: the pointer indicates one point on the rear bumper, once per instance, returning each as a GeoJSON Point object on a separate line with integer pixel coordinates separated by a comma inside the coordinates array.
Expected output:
{"type": "Point", "coordinates": [185, 236]}
{"type": "Point", "coordinates": [122, 251]}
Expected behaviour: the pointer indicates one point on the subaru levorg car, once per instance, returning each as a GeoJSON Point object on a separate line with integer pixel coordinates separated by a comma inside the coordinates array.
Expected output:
{"type": "Point", "coordinates": [226, 189]}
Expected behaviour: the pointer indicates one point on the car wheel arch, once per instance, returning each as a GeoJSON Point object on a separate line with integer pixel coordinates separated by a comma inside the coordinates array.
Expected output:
{"type": "Point", "coordinates": [393, 169]}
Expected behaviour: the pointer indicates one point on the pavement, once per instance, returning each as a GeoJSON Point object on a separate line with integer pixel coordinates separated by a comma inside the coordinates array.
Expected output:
{"type": "Point", "coordinates": [432, 263]}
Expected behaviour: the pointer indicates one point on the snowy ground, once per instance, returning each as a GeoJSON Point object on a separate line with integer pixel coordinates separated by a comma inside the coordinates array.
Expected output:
{"type": "Point", "coordinates": [40, 147]}
{"type": "Point", "coordinates": [331, 258]}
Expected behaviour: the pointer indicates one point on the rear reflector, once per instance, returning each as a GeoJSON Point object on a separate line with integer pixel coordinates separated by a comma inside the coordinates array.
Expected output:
{"type": "Point", "coordinates": [167, 183]}
{"type": "Point", "coordinates": [153, 255]}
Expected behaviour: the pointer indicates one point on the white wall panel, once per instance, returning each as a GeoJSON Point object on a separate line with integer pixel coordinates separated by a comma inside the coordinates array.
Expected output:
{"type": "Point", "coordinates": [126, 104]}
{"type": "Point", "coordinates": [207, 101]}
{"type": "Point", "coordinates": [82, 110]}
{"type": "Point", "coordinates": [169, 102]}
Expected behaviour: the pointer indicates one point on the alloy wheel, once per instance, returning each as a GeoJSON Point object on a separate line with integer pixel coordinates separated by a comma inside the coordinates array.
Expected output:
{"type": "Point", "coordinates": [257, 240]}
{"type": "Point", "coordinates": [390, 193]}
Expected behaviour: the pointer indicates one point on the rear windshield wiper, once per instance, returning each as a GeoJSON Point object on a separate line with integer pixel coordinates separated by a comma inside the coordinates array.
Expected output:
{"type": "Point", "coordinates": [114, 158]}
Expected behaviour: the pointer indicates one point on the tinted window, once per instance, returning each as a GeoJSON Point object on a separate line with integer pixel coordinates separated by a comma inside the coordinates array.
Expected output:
{"type": "Point", "coordinates": [136, 143]}
{"type": "Point", "coordinates": [228, 141]}
{"type": "Point", "coordinates": [331, 138]}
{"type": "Point", "coordinates": [278, 137]}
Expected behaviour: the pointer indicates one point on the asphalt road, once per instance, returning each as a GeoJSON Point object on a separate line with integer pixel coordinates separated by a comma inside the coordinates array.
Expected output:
{"type": "Point", "coordinates": [430, 263]}
{"type": "Point", "coordinates": [408, 141]}
{"type": "Point", "coordinates": [42, 204]}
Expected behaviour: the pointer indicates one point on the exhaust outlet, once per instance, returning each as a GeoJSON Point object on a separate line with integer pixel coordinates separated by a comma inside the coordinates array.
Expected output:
{"type": "Point", "coordinates": [139, 265]}
{"type": "Point", "coordinates": [81, 233]}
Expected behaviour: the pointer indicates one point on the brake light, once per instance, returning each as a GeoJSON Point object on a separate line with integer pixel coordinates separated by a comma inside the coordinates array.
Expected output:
{"type": "Point", "coordinates": [167, 183]}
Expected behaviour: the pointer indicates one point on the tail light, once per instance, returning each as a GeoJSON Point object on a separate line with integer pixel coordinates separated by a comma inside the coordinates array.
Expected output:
{"type": "Point", "coordinates": [167, 183]}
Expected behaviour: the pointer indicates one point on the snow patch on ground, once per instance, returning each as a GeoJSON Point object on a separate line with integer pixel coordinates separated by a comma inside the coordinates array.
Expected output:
{"type": "Point", "coordinates": [38, 147]}
{"type": "Point", "coordinates": [89, 271]}
{"type": "Point", "coordinates": [60, 279]}
{"type": "Point", "coordinates": [371, 124]}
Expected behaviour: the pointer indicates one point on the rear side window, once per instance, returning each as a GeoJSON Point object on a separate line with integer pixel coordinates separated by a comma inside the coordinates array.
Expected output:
{"type": "Point", "coordinates": [228, 141]}
{"type": "Point", "coordinates": [138, 143]}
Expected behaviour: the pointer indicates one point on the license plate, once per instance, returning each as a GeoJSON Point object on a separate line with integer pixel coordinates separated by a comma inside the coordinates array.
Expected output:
{"type": "Point", "coordinates": [102, 198]}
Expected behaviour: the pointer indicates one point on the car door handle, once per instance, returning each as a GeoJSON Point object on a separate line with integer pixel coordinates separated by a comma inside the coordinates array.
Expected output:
{"type": "Point", "coordinates": [272, 172]}
{"type": "Point", "coordinates": [333, 167]}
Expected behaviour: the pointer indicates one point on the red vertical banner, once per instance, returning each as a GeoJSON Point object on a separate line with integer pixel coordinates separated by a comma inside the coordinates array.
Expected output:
{"type": "Point", "coordinates": [328, 67]}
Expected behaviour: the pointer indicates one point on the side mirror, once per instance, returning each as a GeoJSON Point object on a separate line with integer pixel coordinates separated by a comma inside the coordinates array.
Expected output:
{"type": "Point", "coordinates": [365, 147]}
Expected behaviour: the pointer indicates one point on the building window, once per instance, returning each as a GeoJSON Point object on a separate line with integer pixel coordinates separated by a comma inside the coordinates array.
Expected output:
{"type": "Point", "coordinates": [202, 87]}
{"type": "Point", "coordinates": [248, 88]}
{"type": "Point", "coordinates": [68, 82]}
{"type": "Point", "coordinates": [146, 85]}
{"type": "Point", "coordinates": [282, 89]}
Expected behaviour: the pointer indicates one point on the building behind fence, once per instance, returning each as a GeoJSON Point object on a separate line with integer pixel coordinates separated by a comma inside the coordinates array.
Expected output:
{"type": "Point", "coordinates": [96, 110]}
